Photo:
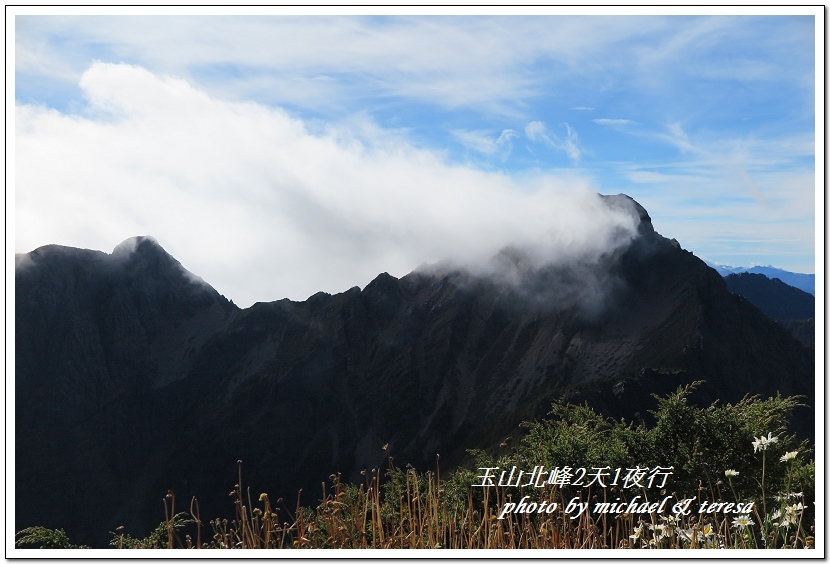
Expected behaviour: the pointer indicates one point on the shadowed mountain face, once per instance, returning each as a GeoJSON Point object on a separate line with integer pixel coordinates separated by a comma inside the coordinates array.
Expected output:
{"type": "Point", "coordinates": [776, 299]}
{"type": "Point", "coordinates": [134, 378]}
{"type": "Point", "coordinates": [804, 282]}
{"type": "Point", "coordinates": [793, 309]}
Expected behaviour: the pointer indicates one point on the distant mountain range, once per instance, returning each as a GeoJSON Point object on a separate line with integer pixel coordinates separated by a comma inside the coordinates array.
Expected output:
{"type": "Point", "coordinates": [134, 377]}
{"type": "Point", "coordinates": [805, 282]}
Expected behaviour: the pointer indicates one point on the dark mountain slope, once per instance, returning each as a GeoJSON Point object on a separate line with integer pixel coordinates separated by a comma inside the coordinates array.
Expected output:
{"type": "Point", "coordinates": [804, 282]}
{"type": "Point", "coordinates": [793, 309]}
{"type": "Point", "coordinates": [438, 361]}
{"type": "Point", "coordinates": [96, 336]}
{"type": "Point", "coordinates": [773, 297]}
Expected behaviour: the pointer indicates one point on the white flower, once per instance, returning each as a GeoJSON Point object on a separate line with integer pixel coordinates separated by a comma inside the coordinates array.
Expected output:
{"type": "Point", "coordinates": [762, 442]}
{"type": "Point", "coordinates": [789, 456]}
{"type": "Point", "coordinates": [732, 473]}
{"type": "Point", "coordinates": [787, 521]}
{"type": "Point", "coordinates": [790, 517]}
{"type": "Point", "coordinates": [792, 511]}
{"type": "Point", "coordinates": [660, 531]}
{"type": "Point", "coordinates": [712, 542]}
{"type": "Point", "coordinates": [742, 521]}
{"type": "Point", "coordinates": [785, 497]}
{"type": "Point", "coordinates": [670, 519]}
{"type": "Point", "coordinates": [708, 529]}
{"type": "Point", "coordinates": [685, 534]}
{"type": "Point", "coordinates": [638, 530]}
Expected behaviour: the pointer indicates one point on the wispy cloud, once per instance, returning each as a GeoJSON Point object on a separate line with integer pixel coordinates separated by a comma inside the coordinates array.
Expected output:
{"type": "Point", "coordinates": [449, 62]}
{"type": "Point", "coordinates": [506, 136]}
{"type": "Point", "coordinates": [488, 63]}
{"type": "Point", "coordinates": [677, 137]}
{"type": "Point", "coordinates": [484, 141]}
{"type": "Point", "coordinates": [538, 132]}
{"type": "Point", "coordinates": [732, 186]}
{"type": "Point", "coordinates": [612, 122]}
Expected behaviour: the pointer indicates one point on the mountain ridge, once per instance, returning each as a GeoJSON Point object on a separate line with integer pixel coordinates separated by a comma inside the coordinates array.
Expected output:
{"type": "Point", "coordinates": [794, 309]}
{"type": "Point", "coordinates": [804, 282]}
{"type": "Point", "coordinates": [132, 373]}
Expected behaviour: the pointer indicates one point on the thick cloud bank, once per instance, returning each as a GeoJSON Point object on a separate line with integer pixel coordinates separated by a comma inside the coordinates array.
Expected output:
{"type": "Point", "coordinates": [263, 205]}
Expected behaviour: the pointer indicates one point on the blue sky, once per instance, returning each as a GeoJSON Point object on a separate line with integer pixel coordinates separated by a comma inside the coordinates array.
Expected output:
{"type": "Point", "coordinates": [275, 156]}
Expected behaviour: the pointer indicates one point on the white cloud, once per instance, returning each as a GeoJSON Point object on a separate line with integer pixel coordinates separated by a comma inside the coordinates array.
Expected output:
{"type": "Point", "coordinates": [451, 62]}
{"type": "Point", "coordinates": [538, 132]}
{"type": "Point", "coordinates": [262, 207]}
{"type": "Point", "coordinates": [722, 80]}
{"type": "Point", "coordinates": [571, 147]}
{"type": "Point", "coordinates": [506, 136]}
{"type": "Point", "coordinates": [677, 136]}
{"type": "Point", "coordinates": [480, 141]}
{"type": "Point", "coordinates": [489, 63]}
{"type": "Point", "coordinates": [609, 121]}
{"type": "Point", "coordinates": [483, 141]}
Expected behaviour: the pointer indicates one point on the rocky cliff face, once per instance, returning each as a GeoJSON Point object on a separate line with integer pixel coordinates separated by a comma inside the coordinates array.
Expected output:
{"type": "Point", "coordinates": [97, 336]}
{"type": "Point", "coordinates": [134, 377]}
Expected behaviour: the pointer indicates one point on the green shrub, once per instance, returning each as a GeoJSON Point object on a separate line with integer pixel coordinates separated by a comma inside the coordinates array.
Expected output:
{"type": "Point", "coordinates": [720, 453]}
{"type": "Point", "coordinates": [41, 537]}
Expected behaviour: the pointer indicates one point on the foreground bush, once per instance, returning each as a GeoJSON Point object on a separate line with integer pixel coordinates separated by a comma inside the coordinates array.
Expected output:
{"type": "Point", "coordinates": [724, 476]}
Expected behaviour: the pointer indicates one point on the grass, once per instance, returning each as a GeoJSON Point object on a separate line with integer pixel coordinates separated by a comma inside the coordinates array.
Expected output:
{"type": "Point", "coordinates": [719, 454]}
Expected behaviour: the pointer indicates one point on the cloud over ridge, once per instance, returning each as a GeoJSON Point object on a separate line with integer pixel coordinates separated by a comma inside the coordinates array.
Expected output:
{"type": "Point", "coordinates": [263, 206]}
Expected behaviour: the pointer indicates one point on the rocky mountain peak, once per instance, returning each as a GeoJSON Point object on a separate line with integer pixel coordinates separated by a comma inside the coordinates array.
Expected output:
{"type": "Point", "coordinates": [140, 243]}
{"type": "Point", "coordinates": [629, 204]}
{"type": "Point", "coordinates": [144, 252]}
